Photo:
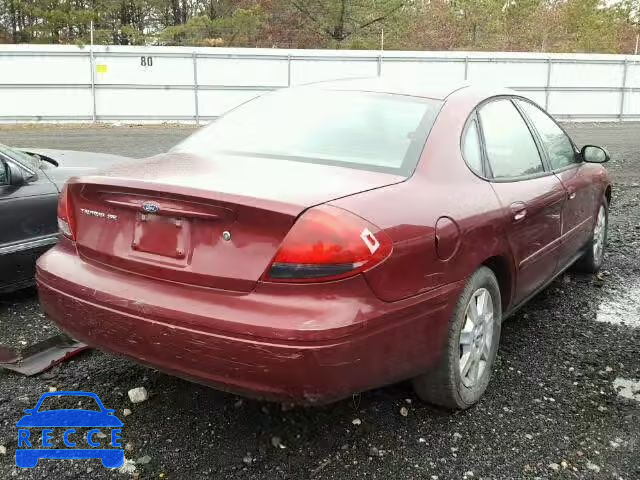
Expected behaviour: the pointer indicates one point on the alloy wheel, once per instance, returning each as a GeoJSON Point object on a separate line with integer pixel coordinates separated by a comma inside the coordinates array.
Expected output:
{"type": "Point", "coordinates": [476, 338]}
{"type": "Point", "coordinates": [599, 233]}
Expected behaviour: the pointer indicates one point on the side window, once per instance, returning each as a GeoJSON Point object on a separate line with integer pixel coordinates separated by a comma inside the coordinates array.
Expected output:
{"type": "Point", "coordinates": [511, 150]}
{"type": "Point", "coordinates": [4, 174]}
{"type": "Point", "coordinates": [471, 148]}
{"type": "Point", "coordinates": [557, 144]}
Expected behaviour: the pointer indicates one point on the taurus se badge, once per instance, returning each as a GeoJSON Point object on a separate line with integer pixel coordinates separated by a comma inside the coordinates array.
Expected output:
{"type": "Point", "coordinates": [97, 214]}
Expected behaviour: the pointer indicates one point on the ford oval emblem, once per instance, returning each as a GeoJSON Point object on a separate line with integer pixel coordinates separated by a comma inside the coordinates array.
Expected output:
{"type": "Point", "coordinates": [150, 207]}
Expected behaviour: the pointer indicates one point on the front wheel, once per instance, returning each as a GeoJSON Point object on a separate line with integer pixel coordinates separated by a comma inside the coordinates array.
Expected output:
{"type": "Point", "coordinates": [462, 375]}
{"type": "Point", "coordinates": [593, 257]}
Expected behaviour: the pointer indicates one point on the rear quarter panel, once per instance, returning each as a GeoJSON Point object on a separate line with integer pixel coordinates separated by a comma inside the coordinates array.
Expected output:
{"type": "Point", "coordinates": [442, 186]}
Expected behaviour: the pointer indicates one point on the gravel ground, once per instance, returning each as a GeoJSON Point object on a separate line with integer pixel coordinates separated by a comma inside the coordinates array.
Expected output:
{"type": "Point", "coordinates": [551, 410]}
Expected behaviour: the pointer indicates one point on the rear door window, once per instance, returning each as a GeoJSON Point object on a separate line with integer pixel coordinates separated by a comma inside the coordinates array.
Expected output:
{"type": "Point", "coordinates": [511, 149]}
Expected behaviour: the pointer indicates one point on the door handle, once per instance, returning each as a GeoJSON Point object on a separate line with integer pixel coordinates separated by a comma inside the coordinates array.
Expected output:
{"type": "Point", "coordinates": [572, 195]}
{"type": "Point", "coordinates": [520, 215]}
{"type": "Point", "coordinates": [519, 210]}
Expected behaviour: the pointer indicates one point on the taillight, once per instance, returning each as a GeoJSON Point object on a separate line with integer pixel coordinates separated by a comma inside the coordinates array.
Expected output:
{"type": "Point", "coordinates": [328, 243]}
{"type": "Point", "coordinates": [66, 221]}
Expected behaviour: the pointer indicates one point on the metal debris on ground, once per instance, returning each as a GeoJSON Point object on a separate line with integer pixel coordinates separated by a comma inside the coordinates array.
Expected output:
{"type": "Point", "coordinates": [40, 356]}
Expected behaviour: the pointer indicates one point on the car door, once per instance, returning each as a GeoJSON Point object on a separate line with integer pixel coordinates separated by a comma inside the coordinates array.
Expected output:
{"type": "Point", "coordinates": [531, 196]}
{"type": "Point", "coordinates": [28, 221]}
{"type": "Point", "coordinates": [565, 162]}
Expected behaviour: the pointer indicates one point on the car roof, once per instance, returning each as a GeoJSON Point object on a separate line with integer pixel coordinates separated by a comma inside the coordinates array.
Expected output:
{"type": "Point", "coordinates": [437, 90]}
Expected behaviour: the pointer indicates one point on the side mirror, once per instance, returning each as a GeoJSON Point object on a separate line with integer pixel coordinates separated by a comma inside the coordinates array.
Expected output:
{"type": "Point", "coordinates": [594, 154]}
{"type": "Point", "coordinates": [17, 177]}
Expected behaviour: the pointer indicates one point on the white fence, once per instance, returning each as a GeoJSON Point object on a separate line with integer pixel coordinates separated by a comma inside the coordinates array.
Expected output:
{"type": "Point", "coordinates": [152, 84]}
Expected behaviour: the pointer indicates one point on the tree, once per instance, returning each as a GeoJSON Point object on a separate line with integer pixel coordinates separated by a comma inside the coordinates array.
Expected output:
{"type": "Point", "coordinates": [240, 28]}
{"type": "Point", "coordinates": [532, 25]}
{"type": "Point", "coordinates": [340, 19]}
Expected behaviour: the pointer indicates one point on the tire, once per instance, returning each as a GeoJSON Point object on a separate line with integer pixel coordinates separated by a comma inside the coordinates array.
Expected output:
{"type": "Point", "coordinates": [446, 385]}
{"type": "Point", "coordinates": [593, 257]}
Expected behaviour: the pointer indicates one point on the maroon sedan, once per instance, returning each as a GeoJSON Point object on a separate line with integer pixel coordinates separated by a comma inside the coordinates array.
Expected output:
{"type": "Point", "coordinates": [329, 239]}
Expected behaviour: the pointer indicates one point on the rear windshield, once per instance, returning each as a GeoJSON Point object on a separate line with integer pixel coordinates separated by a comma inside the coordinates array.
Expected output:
{"type": "Point", "coordinates": [371, 131]}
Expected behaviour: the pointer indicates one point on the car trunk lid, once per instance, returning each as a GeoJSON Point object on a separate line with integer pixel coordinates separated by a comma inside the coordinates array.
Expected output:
{"type": "Point", "coordinates": [213, 223]}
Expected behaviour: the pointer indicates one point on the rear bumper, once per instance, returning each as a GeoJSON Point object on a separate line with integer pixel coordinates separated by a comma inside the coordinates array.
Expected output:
{"type": "Point", "coordinates": [305, 344]}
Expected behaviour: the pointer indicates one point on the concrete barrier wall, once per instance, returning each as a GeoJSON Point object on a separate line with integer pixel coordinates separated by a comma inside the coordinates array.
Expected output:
{"type": "Point", "coordinates": [154, 84]}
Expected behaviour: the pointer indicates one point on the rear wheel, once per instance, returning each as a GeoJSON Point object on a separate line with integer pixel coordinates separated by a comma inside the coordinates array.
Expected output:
{"type": "Point", "coordinates": [463, 373]}
{"type": "Point", "coordinates": [593, 257]}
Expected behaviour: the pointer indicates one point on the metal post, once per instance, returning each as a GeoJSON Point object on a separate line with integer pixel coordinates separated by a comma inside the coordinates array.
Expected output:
{"type": "Point", "coordinates": [288, 70]}
{"type": "Point", "coordinates": [466, 68]}
{"type": "Point", "coordinates": [379, 65]}
{"type": "Point", "coordinates": [548, 85]}
{"type": "Point", "coordinates": [194, 58]}
{"type": "Point", "coordinates": [623, 91]}
{"type": "Point", "coordinates": [93, 76]}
